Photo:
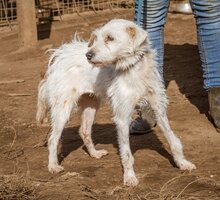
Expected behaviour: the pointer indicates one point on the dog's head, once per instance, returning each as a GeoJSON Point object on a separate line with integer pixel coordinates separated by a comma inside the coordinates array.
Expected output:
{"type": "Point", "coordinates": [119, 42]}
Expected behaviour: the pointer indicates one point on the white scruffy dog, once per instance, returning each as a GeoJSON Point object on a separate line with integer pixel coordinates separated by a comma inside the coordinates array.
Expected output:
{"type": "Point", "coordinates": [118, 64]}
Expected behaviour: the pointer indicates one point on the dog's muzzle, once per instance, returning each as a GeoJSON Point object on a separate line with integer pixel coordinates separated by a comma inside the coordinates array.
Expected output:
{"type": "Point", "coordinates": [90, 55]}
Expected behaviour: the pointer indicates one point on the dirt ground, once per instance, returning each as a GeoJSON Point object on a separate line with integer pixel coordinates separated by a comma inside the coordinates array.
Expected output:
{"type": "Point", "coordinates": [22, 152]}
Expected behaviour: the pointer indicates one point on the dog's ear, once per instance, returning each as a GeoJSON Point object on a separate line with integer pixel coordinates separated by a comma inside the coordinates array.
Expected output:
{"type": "Point", "coordinates": [91, 40]}
{"type": "Point", "coordinates": [141, 39]}
{"type": "Point", "coordinates": [139, 43]}
{"type": "Point", "coordinates": [131, 31]}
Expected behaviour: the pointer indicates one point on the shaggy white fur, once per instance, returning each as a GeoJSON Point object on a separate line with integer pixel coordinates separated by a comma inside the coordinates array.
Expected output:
{"type": "Point", "coordinates": [121, 67]}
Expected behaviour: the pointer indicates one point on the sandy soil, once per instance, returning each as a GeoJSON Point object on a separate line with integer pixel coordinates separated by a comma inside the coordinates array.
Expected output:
{"type": "Point", "coordinates": [21, 152]}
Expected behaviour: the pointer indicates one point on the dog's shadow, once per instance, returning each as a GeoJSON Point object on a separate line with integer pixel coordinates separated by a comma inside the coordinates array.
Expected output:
{"type": "Point", "coordinates": [106, 134]}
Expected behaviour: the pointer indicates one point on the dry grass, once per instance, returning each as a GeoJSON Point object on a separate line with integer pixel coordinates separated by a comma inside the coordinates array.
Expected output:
{"type": "Point", "coordinates": [17, 187]}
{"type": "Point", "coordinates": [183, 187]}
{"type": "Point", "coordinates": [188, 186]}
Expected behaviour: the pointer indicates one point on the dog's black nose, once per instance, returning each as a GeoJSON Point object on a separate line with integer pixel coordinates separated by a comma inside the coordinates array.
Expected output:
{"type": "Point", "coordinates": [89, 55]}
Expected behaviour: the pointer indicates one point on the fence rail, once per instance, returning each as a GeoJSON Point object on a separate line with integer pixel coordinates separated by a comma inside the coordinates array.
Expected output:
{"type": "Point", "coordinates": [47, 10]}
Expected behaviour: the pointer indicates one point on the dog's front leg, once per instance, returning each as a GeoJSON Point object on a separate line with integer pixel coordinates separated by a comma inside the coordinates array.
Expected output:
{"type": "Point", "coordinates": [156, 101]}
{"type": "Point", "coordinates": [122, 116]}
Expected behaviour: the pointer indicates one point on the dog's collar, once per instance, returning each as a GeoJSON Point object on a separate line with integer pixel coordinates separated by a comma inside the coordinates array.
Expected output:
{"type": "Point", "coordinates": [126, 63]}
{"type": "Point", "coordinates": [140, 57]}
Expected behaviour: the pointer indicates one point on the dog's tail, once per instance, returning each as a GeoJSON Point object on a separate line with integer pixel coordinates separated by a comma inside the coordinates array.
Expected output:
{"type": "Point", "coordinates": [42, 105]}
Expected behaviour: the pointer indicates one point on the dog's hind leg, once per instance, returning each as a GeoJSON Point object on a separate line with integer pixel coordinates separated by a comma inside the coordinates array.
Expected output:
{"type": "Point", "coordinates": [159, 106]}
{"type": "Point", "coordinates": [89, 107]}
{"type": "Point", "coordinates": [60, 114]}
{"type": "Point", "coordinates": [42, 107]}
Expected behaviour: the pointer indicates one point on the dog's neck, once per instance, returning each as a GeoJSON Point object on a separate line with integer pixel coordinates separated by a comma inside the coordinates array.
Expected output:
{"type": "Point", "coordinates": [129, 61]}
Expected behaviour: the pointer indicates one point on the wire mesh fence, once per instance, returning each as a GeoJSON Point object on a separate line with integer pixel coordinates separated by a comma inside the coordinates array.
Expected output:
{"type": "Point", "coordinates": [47, 10]}
{"type": "Point", "coordinates": [8, 14]}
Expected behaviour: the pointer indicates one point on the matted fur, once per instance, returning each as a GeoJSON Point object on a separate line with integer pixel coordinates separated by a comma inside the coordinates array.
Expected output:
{"type": "Point", "coordinates": [121, 69]}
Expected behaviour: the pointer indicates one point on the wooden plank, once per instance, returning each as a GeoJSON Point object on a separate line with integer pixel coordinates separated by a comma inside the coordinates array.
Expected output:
{"type": "Point", "coordinates": [27, 30]}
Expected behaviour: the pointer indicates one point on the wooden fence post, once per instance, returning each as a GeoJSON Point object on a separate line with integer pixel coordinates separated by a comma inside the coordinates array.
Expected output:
{"type": "Point", "coordinates": [27, 31]}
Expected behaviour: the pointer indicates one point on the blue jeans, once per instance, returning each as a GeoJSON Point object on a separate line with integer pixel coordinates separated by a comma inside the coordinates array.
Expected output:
{"type": "Point", "coordinates": [151, 15]}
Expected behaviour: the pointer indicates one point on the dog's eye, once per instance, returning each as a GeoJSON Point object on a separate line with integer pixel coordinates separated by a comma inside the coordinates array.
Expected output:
{"type": "Point", "coordinates": [109, 38]}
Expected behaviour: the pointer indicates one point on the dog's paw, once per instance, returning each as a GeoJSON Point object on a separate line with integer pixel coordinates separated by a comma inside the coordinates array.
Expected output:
{"type": "Point", "coordinates": [130, 180]}
{"type": "Point", "coordinates": [98, 153]}
{"type": "Point", "coordinates": [186, 165]}
{"type": "Point", "coordinates": [54, 169]}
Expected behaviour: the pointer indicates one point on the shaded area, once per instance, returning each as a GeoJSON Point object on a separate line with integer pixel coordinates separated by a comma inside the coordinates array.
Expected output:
{"type": "Point", "coordinates": [106, 134]}
{"type": "Point", "coordinates": [182, 64]}
{"type": "Point", "coordinates": [44, 30]}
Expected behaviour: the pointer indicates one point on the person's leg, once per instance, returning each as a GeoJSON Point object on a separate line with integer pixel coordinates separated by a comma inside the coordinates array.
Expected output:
{"type": "Point", "coordinates": [151, 16]}
{"type": "Point", "coordinates": [207, 14]}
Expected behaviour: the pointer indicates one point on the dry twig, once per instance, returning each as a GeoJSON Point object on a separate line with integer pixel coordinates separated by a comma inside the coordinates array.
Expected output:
{"type": "Point", "coordinates": [12, 81]}
{"type": "Point", "coordinates": [18, 94]}
{"type": "Point", "coordinates": [43, 143]}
